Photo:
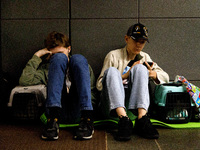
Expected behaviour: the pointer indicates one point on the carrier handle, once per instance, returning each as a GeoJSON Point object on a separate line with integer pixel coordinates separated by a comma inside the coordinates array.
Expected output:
{"type": "Point", "coordinates": [173, 84]}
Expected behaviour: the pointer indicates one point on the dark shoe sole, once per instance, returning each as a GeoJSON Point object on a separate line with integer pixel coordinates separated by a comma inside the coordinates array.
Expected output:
{"type": "Point", "coordinates": [49, 139]}
{"type": "Point", "coordinates": [84, 138]}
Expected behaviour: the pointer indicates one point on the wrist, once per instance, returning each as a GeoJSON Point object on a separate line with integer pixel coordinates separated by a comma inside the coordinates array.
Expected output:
{"type": "Point", "coordinates": [37, 54]}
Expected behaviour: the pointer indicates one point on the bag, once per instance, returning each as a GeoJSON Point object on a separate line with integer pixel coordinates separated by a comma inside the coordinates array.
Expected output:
{"type": "Point", "coordinates": [27, 102]}
{"type": "Point", "coordinates": [6, 85]}
{"type": "Point", "coordinates": [174, 104]}
{"type": "Point", "coordinates": [193, 90]}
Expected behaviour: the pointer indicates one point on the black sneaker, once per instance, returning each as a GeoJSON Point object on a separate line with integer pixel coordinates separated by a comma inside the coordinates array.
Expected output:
{"type": "Point", "coordinates": [85, 129]}
{"type": "Point", "coordinates": [125, 127]}
{"type": "Point", "coordinates": [144, 128]}
{"type": "Point", "coordinates": [51, 130]}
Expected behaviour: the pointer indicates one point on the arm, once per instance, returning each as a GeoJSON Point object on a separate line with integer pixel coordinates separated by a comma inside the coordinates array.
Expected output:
{"type": "Point", "coordinates": [93, 87]}
{"type": "Point", "coordinates": [32, 74]}
{"type": "Point", "coordinates": [108, 62]}
{"type": "Point", "coordinates": [126, 75]}
{"type": "Point", "coordinates": [158, 75]}
{"type": "Point", "coordinates": [161, 75]}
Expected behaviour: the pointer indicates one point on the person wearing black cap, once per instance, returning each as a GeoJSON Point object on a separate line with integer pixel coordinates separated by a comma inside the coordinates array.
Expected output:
{"type": "Point", "coordinates": [123, 83]}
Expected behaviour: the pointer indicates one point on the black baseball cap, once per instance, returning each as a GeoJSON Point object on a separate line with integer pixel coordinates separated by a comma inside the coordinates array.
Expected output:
{"type": "Point", "coordinates": [138, 31]}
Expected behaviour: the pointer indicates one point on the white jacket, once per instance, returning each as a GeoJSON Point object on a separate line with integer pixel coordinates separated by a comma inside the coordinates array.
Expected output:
{"type": "Point", "coordinates": [118, 59]}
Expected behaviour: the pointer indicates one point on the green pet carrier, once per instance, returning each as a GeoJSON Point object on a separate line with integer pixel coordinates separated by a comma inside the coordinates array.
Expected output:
{"type": "Point", "coordinates": [173, 103]}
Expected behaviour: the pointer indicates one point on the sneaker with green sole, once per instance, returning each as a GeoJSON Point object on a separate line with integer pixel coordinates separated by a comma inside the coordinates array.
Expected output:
{"type": "Point", "coordinates": [144, 128]}
{"type": "Point", "coordinates": [125, 127]}
{"type": "Point", "coordinates": [85, 129]}
{"type": "Point", "coordinates": [51, 130]}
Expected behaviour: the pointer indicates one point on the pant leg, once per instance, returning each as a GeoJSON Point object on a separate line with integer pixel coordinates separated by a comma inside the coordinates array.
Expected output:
{"type": "Point", "coordinates": [138, 87]}
{"type": "Point", "coordinates": [56, 77]}
{"type": "Point", "coordinates": [80, 76]}
{"type": "Point", "coordinates": [113, 94]}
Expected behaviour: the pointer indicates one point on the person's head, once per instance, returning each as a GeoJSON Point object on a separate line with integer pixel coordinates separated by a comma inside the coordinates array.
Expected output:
{"type": "Point", "coordinates": [55, 39]}
{"type": "Point", "coordinates": [136, 38]}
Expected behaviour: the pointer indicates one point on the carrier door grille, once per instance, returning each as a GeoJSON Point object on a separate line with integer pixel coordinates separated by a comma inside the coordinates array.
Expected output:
{"type": "Point", "coordinates": [178, 106]}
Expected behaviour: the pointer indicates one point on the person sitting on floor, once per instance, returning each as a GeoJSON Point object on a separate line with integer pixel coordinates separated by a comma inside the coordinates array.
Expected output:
{"type": "Point", "coordinates": [69, 79]}
{"type": "Point", "coordinates": [123, 83]}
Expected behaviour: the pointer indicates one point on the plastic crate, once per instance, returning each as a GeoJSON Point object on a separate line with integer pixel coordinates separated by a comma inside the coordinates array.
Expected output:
{"type": "Point", "coordinates": [27, 102]}
{"type": "Point", "coordinates": [25, 107]}
{"type": "Point", "coordinates": [174, 104]}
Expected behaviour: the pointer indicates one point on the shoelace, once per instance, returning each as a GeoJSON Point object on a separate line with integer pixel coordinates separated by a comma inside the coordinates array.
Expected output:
{"type": "Point", "coordinates": [147, 123]}
{"type": "Point", "coordinates": [84, 123]}
{"type": "Point", "coordinates": [51, 124]}
{"type": "Point", "coordinates": [123, 122]}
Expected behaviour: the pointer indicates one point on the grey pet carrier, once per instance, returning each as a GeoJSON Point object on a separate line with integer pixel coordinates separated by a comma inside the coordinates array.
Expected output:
{"type": "Point", "coordinates": [27, 102]}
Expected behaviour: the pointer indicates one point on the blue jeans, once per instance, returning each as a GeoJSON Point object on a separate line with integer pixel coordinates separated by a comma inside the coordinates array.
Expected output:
{"type": "Point", "coordinates": [114, 95]}
{"type": "Point", "coordinates": [80, 78]}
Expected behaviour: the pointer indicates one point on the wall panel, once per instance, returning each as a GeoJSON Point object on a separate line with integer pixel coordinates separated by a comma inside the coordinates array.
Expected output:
{"type": "Point", "coordinates": [96, 37]}
{"type": "Point", "coordinates": [96, 27]}
{"type": "Point", "coordinates": [104, 9]}
{"type": "Point", "coordinates": [174, 45]}
{"type": "Point", "coordinates": [21, 9]}
{"type": "Point", "coordinates": [170, 8]}
{"type": "Point", "coordinates": [22, 38]}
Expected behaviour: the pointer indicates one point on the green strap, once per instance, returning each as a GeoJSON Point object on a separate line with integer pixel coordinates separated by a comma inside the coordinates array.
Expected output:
{"type": "Point", "coordinates": [115, 122]}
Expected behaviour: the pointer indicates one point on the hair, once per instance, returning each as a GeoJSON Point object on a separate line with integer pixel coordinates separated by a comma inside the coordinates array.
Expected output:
{"type": "Point", "coordinates": [55, 39]}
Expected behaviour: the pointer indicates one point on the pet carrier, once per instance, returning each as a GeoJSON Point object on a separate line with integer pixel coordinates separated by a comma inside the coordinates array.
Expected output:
{"type": "Point", "coordinates": [27, 102]}
{"type": "Point", "coordinates": [174, 104]}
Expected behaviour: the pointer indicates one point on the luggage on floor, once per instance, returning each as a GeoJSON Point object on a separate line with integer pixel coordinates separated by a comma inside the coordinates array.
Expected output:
{"type": "Point", "coordinates": [27, 102]}
{"type": "Point", "coordinates": [174, 104]}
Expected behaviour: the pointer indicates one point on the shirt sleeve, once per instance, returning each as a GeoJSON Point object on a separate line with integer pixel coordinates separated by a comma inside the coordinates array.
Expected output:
{"type": "Point", "coordinates": [108, 62]}
{"type": "Point", "coordinates": [162, 76]}
{"type": "Point", "coordinates": [31, 75]}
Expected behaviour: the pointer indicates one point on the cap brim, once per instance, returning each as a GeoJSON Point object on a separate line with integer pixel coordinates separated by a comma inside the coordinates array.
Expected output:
{"type": "Point", "coordinates": [140, 37]}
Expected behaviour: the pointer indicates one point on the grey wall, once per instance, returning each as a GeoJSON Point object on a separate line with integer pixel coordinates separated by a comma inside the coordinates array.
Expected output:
{"type": "Point", "coordinates": [96, 27]}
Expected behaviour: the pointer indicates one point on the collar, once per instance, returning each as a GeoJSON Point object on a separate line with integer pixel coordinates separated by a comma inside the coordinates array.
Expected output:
{"type": "Point", "coordinates": [137, 57]}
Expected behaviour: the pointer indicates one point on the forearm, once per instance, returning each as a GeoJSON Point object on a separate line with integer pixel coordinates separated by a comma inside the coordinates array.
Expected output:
{"type": "Point", "coordinates": [153, 75]}
{"type": "Point", "coordinates": [29, 74]}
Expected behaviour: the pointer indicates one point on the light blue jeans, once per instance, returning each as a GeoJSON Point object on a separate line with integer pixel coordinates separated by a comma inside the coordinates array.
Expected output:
{"type": "Point", "coordinates": [80, 97]}
{"type": "Point", "coordinates": [114, 95]}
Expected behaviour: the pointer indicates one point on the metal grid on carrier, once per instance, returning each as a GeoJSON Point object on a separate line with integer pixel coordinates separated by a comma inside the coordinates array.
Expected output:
{"type": "Point", "coordinates": [25, 106]}
{"type": "Point", "coordinates": [178, 107]}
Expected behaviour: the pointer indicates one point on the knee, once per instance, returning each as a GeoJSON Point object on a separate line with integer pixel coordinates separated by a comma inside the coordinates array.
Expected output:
{"type": "Point", "coordinates": [77, 60]}
{"type": "Point", "coordinates": [112, 71]}
{"type": "Point", "coordinates": [59, 57]}
{"type": "Point", "coordinates": [139, 69]}
{"type": "Point", "coordinates": [110, 75]}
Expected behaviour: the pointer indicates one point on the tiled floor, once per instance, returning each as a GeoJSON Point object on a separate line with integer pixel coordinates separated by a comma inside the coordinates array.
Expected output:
{"type": "Point", "coordinates": [170, 139]}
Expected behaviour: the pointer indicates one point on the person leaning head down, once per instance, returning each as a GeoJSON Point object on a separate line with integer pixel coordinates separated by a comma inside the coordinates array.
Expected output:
{"type": "Point", "coordinates": [123, 69]}
{"type": "Point", "coordinates": [55, 39]}
{"type": "Point", "coordinates": [69, 81]}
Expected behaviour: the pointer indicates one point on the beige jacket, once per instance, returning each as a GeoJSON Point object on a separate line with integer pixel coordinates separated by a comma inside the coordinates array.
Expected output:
{"type": "Point", "coordinates": [118, 59]}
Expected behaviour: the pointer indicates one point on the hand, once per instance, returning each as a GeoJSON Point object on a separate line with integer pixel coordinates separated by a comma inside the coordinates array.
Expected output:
{"type": "Point", "coordinates": [135, 63]}
{"type": "Point", "coordinates": [126, 75]}
{"type": "Point", "coordinates": [149, 65]}
{"type": "Point", "coordinates": [43, 52]}
{"type": "Point", "coordinates": [152, 73]}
